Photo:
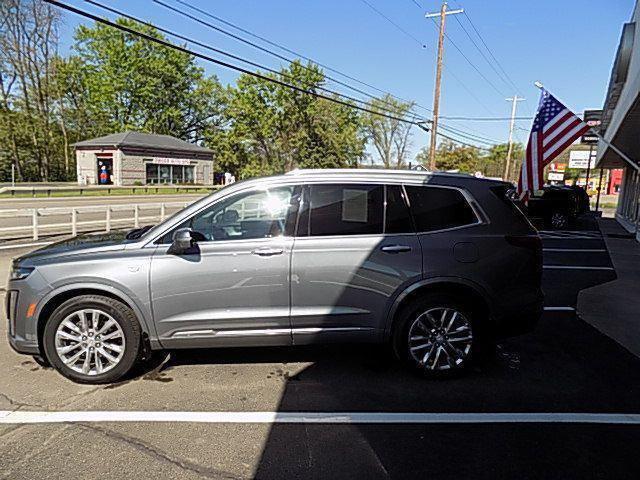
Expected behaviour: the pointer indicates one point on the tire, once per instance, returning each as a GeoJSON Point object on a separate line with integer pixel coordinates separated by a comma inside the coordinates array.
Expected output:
{"type": "Point", "coordinates": [113, 343]}
{"type": "Point", "coordinates": [41, 361]}
{"type": "Point", "coordinates": [429, 348]}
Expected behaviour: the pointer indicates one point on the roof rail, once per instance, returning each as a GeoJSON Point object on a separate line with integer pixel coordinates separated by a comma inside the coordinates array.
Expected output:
{"type": "Point", "coordinates": [380, 171]}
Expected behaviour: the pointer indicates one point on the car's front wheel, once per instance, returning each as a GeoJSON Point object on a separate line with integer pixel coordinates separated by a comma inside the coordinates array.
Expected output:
{"type": "Point", "coordinates": [92, 339]}
{"type": "Point", "coordinates": [435, 335]}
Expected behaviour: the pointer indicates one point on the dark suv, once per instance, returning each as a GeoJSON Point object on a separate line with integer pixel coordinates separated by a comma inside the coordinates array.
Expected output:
{"type": "Point", "coordinates": [559, 206]}
{"type": "Point", "coordinates": [432, 263]}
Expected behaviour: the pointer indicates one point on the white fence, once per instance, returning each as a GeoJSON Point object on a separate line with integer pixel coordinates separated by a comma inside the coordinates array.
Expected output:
{"type": "Point", "coordinates": [138, 213]}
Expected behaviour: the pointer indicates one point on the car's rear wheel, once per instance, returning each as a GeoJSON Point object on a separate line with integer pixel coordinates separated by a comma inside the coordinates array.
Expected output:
{"type": "Point", "coordinates": [435, 335]}
{"type": "Point", "coordinates": [92, 339]}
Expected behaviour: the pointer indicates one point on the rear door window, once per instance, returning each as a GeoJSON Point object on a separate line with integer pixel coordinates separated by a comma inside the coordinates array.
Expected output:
{"type": "Point", "coordinates": [438, 208]}
{"type": "Point", "coordinates": [398, 217]}
{"type": "Point", "coordinates": [347, 209]}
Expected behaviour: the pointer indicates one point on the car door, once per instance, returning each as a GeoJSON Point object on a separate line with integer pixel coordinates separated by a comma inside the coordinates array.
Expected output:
{"type": "Point", "coordinates": [452, 234]}
{"type": "Point", "coordinates": [354, 251]}
{"type": "Point", "coordinates": [232, 288]}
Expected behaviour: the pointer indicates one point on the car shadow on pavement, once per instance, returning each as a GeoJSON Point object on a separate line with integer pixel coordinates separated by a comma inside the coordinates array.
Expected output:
{"type": "Point", "coordinates": [564, 366]}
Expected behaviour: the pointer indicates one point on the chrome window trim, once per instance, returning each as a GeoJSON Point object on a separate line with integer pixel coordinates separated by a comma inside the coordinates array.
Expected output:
{"type": "Point", "coordinates": [481, 217]}
{"type": "Point", "coordinates": [295, 181]}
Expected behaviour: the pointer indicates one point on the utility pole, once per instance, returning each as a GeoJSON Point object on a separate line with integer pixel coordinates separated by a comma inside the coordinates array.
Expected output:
{"type": "Point", "coordinates": [436, 94]}
{"type": "Point", "coordinates": [515, 99]}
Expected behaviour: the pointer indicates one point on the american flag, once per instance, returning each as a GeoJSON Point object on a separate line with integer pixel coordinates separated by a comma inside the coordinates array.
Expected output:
{"type": "Point", "coordinates": [554, 129]}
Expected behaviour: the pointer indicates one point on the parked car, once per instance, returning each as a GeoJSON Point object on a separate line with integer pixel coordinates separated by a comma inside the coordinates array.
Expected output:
{"type": "Point", "coordinates": [434, 264]}
{"type": "Point", "coordinates": [559, 206]}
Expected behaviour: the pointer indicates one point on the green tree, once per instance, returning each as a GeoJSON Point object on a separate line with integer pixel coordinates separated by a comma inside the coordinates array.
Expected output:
{"type": "Point", "coordinates": [496, 158]}
{"type": "Point", "coordinates": [29, 130]}
{"type": "Point", "coordinates": [451, 156]}
{"type": "Point", "coordinates": [116, 81]}
{"type": "Point", "coordinates": [390, 138]}
{"type": "Point", "coordinates": [274, 129]}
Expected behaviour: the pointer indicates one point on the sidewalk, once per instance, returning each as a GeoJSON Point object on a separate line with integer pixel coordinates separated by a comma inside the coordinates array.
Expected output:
{"type": "Point", "coordinates": [614, 307]}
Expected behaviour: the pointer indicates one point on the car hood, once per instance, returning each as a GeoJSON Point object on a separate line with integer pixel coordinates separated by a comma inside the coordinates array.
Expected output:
{"type": "Point", "coordinates": [82, 244]}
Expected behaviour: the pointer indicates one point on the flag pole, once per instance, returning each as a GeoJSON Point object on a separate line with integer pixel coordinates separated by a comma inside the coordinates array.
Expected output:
{"type": "Point", "coordinates": [624, 156]}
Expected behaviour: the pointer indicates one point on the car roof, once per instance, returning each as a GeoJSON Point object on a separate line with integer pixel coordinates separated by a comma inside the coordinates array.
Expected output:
{"type": "Point", "coordinates": [386, 174]}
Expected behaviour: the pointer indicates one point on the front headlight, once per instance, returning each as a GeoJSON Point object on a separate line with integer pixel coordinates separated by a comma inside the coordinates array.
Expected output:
{"type": "Point", "coordinates": [20, 273]}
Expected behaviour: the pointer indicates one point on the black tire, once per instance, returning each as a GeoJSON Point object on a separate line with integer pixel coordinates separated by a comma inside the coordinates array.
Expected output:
{"type": "Point", "coordinates": [43, 362]}
{"type": "Point", "coordinates": [409, 315]}
{"type": "Point", "coordinates": [121, 313]}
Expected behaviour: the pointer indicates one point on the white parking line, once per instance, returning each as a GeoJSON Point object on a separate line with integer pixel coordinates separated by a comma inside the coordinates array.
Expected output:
{"type": "Point", "coordinates": [574, 267]}
{"type": "Point", "coordinates": [559, 309]}
{"type": "Point", "coordinates": [26, 417]}
{"type": "Point", "coordinates": [576, 237]}
{"type": "Point", "coordinates": [583, 250]}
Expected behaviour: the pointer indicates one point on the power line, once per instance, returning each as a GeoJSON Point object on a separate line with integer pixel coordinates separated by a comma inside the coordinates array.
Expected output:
{"type": "Point", "coordinates": [394, 24]}
{"type": "Point", "coordinates": [202, 56]}
{"type": "Point", "coordinates": [486, 119]}
{"type": "Point", "coordinates": [500, 75]}
{"type": "Point", "coordinates": [457, 141]}
{"type": "Point", "coordinates": [203, 12]}
{"type": "Point", "coordinates": [293, 52]}
{"type": "Point", "coordinates": [490, 52]}
{"type": "Point", "coordinates": [470, 136]}
{"type": "Point", "coordinates": [230, 55]}
{"type": "Point", "coordinates": [259, 47]}
{"type": "Point", "coordinates": [473, 65]}
{"type": "Point", "coordinates": [412, 121]}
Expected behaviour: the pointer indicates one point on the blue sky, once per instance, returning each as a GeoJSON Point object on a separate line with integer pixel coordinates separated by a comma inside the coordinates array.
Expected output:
{"type": "Point", "coordinates": [569, 45]}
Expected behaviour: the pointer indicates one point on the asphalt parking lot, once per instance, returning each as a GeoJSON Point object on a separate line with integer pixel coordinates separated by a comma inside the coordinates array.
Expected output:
{"type": "Point", "coordinates": [565, 367]}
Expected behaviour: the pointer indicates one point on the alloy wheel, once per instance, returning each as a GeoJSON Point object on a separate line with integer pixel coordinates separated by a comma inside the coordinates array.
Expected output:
{"type": "Point", "coordinates": [440, 339]}
{"type": "Point", "coordinates": [90, 342]}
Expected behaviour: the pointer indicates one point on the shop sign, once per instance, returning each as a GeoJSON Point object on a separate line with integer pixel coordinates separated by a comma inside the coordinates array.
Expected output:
{"type": "Point", "coordinates": [171, 161]}
{"type": "Point", "coordinates": [580, 159]}
{"type": "Point", "coordinates": [593, 118]}
{"type": "Point", "coordinates": [556, 176]}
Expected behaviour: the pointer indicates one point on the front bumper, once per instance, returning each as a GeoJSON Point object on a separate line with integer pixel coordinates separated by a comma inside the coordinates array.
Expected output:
{"type": "Point", "coordinates": [26, 347]}
{"type": "Point", "coordinates": [22, 330]}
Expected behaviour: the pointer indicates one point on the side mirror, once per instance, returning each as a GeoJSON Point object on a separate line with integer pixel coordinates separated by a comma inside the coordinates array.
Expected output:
{"type": "Point", "coordinates": [182, 241]}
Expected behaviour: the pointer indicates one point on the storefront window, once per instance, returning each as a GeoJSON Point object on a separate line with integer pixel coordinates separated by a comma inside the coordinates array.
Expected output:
{"type": "Point", "coordinates": [170, 174]}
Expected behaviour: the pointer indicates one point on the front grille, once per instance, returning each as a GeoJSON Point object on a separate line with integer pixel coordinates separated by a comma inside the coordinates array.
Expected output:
{"type": "Point", "coordinates": [12, 305]}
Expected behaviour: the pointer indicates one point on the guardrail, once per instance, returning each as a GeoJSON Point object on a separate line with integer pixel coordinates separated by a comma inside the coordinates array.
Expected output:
{"type": "Point", "coordinates": [35, 228]}
{"type": "Point", "coordinates": [108, 189]}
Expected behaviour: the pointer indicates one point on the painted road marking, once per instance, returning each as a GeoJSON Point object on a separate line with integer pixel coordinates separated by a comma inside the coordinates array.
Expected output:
{"type": "Point", "coordinates": [25, 245]}
{"type": "Point", "coordinates": [571, 233]}
{"type": "Point", "coordinates": [583, 250]}
{"type": "Point", "coordinates": [26, 417]}
{"type": "Point", "coordinates": [580, 237]}
{"type": "Point", "coordinates": [559, 309]}
{"type": "Point", "coordinates": [574, 267]}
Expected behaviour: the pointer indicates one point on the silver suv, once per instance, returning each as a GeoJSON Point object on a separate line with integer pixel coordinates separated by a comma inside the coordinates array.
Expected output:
{"type": "Point", "coordinates": [434, 264]}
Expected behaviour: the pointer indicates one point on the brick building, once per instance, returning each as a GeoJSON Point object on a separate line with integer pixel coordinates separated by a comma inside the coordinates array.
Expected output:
{"type": "Point", "coordinates": [133, 158]}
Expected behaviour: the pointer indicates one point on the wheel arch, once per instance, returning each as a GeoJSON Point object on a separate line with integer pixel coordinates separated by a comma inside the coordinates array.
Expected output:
{"type": "Point", "coordinates": [478, 297]}
{"type": "Point", "coordinates": [57, 297]}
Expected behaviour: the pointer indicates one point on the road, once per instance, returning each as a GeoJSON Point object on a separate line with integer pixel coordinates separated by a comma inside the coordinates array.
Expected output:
{"type": "Point", "coordinates": [565, 366]}
{"type": "Point", "coordinates": [10, 203]}
{"type": "Point", "coordinates": [115, 200]}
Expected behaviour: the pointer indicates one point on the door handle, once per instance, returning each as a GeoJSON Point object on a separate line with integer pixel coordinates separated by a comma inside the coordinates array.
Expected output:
{"type": "Point", "coordinates": [396, 248]}
{"type": "Point", "coordinates": [267, 251]}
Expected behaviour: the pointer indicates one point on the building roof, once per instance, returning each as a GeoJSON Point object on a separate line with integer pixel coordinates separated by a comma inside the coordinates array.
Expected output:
{"type": "Point", "coordinates": [141, 140]}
